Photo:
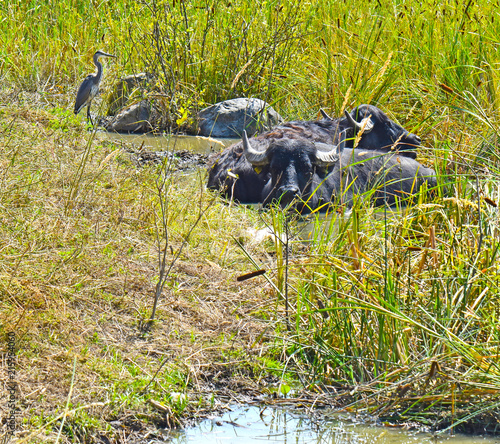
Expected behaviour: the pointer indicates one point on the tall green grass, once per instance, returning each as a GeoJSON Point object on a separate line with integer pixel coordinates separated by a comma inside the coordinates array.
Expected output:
{"type": "Point", "coordinates": [401, 310]}
{"type": "Point", "coordinates": [408, 57]}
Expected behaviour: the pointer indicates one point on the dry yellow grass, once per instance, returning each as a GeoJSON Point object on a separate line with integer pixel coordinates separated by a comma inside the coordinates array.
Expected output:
{"type": "Point", "coordinates": [78, 277]}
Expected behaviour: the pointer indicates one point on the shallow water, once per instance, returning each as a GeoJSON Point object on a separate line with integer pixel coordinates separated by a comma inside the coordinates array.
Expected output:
{"type": "Point", "coordinates": [196, 144]}
{"type": "Point", "coordinates": [251, 424]}
{"type": "Point", "coordinates": [313, 228]}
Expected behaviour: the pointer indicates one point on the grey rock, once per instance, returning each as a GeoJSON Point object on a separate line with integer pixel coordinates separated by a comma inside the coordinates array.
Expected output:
{"type": "Point", "coordinates": [231, 117]}
{"type": "Point", "coordinates": [132, 119]}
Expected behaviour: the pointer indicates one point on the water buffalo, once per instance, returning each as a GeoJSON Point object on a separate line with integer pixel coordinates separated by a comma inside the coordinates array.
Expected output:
{"type": "Point", "coordinates": [234, 176]}
{"type": "Point", "coordinates": [315, 174]}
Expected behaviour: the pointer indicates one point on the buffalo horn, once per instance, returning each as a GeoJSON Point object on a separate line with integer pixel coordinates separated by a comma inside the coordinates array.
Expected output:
{"type": "Point", "coordinates": [256, 158]}
{"type": "Point", "coordinates": [324, 114]}
{"type": "Point", "coordinates": [330, 153]}
{"type": "Point", "coordinates": [366, 122]}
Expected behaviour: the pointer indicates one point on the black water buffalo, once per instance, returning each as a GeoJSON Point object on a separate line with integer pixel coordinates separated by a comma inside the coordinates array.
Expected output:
{"type": "Point", "coordinates": [366, 125]}
{"type": "Point", "coordinates": [315, 174]}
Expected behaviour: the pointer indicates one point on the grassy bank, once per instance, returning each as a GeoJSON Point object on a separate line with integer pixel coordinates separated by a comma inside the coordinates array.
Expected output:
{"type": "Point", "coordinates": [79, 258]}
{"type": "Point", "coordinates": [394, 316]}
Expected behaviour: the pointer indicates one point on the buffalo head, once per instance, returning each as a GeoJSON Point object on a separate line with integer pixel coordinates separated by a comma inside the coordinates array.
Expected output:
{"type": "Point", "coordinates": [296, 168]}
{"type": "Point", "coordinates": [378, 131]}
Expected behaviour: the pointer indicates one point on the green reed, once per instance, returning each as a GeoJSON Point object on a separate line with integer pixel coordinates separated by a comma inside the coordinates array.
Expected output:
{"type": "Point", "coordinates": [410, 299]}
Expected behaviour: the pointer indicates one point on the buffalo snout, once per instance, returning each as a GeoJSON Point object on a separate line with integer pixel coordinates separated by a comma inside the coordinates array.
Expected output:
{"type": "Point", "coordinates": [412, 140]}
{"type": "Point", "coordinates": [283, 196]}
{"type": "Point", "coordinates": [287, 194]}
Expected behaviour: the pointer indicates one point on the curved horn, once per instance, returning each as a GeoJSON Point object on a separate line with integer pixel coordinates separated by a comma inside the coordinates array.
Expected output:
{"type": "Point", "coordinates": [367, 123]}
{"type": "Point", "coordinates": [352, 122]}
{"type": "Point", "coordinates": [256, 158]}
{"type": "Point", "coordinates": [330, 153]}
{"type": "Point", "coordinates": [324, 114]}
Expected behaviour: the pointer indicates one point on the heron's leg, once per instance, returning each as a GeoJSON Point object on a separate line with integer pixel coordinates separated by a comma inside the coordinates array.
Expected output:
{"type": "Point", "coordinates": [89, 117]}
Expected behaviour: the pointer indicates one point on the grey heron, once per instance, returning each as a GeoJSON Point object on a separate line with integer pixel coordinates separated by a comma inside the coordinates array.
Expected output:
{"type": "Point", "coordinates": [90, 86]}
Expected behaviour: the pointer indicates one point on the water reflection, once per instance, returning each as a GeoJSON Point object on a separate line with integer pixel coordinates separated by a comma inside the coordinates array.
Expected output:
{"type": "Point", "coordinates": [252, 424]}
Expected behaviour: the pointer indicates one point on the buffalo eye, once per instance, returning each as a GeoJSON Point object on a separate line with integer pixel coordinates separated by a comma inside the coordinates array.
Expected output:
{"type": "Point", "coordinates": [306, 167]}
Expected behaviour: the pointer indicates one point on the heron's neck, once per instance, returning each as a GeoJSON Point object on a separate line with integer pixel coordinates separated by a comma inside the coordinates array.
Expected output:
{"type": "Point", "coordinates": [99, 66]}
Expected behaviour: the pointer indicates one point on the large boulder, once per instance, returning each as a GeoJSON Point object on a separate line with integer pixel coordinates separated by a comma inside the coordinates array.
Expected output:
{"type": "Point", "coordinates": [135, 118]}
{"type": "Point", "coordinates": [231, 117]}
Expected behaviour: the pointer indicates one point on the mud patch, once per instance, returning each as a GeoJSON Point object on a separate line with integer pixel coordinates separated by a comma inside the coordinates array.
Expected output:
{"type": "Point", "coordinates": [181, 160]}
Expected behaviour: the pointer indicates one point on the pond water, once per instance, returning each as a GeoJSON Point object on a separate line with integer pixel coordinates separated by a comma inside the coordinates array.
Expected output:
{"type": "Point", "coordinates": [252, 424]}
{"type": "Point", "coordinates": [314, 227]}
{"type": "Point", "coordinates": [196, 144]}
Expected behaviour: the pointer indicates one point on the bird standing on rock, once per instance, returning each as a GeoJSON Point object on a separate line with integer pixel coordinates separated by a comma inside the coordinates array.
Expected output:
{"type": "Point", "coordinates": [90, 86]}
